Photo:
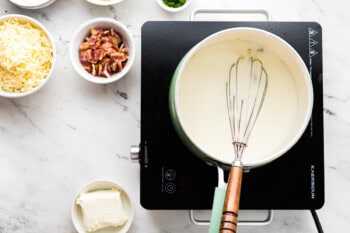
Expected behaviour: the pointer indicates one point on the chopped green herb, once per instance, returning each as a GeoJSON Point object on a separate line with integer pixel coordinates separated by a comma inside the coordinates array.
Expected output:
{"type": "Point", "coordinates": [174, 3]}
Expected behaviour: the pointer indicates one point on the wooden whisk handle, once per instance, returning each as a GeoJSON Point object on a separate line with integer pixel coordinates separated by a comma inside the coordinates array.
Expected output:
{"type": "Point", "coordinates": [231, 205]}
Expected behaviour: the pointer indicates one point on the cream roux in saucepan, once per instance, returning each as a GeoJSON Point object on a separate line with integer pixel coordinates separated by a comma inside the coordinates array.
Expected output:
{"type": "Point", "coordinates": [202, 102]}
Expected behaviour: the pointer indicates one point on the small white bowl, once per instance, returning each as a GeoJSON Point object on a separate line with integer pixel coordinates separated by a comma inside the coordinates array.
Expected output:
{"type": "Point", "coordinates": [34, 22]}
{"type": "Point", "coordinates": [103, 185]}
{"type": "Point", "coordinates": [79, 37]}
{"type": "Point", "coordinates": [104, 2]}
{"type": "Point", "coordinates": [32, 5]}
{"type": "Point", "coordinates": [172, 9]}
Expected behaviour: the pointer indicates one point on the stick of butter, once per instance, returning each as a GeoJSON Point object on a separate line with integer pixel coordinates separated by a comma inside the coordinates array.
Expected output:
{"type": "Point", "coordinates": [101, 208]}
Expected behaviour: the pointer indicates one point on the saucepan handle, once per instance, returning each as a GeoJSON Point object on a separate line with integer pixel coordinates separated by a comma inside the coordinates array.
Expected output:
{"type": "Point", "coordinates": [216, 212]}
{"type": "Point", "coordinates": [231, 11]}
{"type": "Point", "coordinates": [229, 217]}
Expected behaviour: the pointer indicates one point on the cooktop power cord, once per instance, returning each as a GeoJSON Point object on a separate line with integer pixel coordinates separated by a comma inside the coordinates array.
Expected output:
{"type": "Point", "coordinates": [317, 221]}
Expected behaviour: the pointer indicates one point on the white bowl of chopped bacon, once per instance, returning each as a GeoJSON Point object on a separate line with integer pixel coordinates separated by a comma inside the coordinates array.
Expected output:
{"type": "Point", "coordinates": [102, 50]}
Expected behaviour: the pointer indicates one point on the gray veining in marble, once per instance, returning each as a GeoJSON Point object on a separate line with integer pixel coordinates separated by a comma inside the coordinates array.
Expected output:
{"type": "Point", "coordinates": [72, 132]}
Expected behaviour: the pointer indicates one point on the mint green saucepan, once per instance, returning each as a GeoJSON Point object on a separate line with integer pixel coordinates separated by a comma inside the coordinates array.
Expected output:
{"type": "Point", "coordinates": [203, 93]}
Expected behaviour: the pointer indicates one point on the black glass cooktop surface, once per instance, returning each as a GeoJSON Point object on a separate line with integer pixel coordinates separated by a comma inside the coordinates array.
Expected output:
{"type": "Point", "coordinates": [174, 178]}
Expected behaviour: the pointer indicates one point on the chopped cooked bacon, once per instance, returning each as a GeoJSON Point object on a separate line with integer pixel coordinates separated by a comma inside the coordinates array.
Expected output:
{"type": "Point", "coordinates": [119, 65]}
{"type": "Point", "coordinates": [93, 70]}
{"type": "Point", "coordinates": [86, 66]}
{"type": "Point", "coordinates": [105, 70]}
{"type": "Point", "coordinates": [85, 55]}
{"type": "Point", "coordinates": [116, 39]}
{"type": "Point", "coordinates": [118, 56]}
{"type": "Point", "coordinates": [106, 46]}
{"type": "Point", "coordinates": [105, 39]}
{"type": "Point", "coordinates": [99, 54]}
{"type": "Point", "coordinates": [95, 31]}
{"type": "Point", "coordinates": [84, 46]}
{"type": "Point", "coordinates": [103, 52]}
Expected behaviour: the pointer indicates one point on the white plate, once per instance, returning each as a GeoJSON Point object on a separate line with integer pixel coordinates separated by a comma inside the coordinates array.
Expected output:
{"type": "Point", "coordinates": [102, 185]}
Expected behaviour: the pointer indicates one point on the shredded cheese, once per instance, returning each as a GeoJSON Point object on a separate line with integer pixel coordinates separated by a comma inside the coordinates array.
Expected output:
{"type": "Point", "coordinates": [26, 55]}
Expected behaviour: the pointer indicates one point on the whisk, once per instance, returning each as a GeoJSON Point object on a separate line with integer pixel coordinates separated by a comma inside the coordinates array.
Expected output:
{"type": "Point", "coordinates": [245, 94]}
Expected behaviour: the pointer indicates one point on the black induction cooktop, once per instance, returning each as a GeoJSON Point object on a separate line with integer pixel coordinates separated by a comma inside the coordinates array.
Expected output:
{"type": "Point", "coordinates": [174, 178]}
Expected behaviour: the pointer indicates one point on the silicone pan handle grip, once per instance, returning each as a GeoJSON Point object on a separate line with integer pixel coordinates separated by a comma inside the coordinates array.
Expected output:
{"type": "Point", "coordinates": [216, 212]}
{"type": "Point", "coordinates": [231, 205]}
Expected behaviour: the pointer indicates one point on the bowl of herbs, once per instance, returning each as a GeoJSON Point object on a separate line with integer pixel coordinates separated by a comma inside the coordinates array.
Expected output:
{"type": "Point", "coordinates": [174, 5]}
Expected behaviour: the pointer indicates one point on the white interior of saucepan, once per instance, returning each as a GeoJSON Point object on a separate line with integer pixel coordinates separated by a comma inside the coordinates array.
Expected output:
{"type": "Point", "coordinates": [200, 99]}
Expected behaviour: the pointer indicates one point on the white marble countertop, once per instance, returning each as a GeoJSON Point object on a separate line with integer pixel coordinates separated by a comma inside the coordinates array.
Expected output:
{"type": "Point", "coordinates": [72, 132]}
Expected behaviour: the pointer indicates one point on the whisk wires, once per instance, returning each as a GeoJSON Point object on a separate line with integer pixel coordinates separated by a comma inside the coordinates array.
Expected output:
{"type": "Point", "coordinates": [246, 89]}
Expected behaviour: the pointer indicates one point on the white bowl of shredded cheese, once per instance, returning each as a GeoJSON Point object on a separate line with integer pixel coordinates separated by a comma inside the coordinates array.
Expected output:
{"type": "Point", "coordinates": [27, 55]}
{"type": "Point", "coordinates": [103, 207]}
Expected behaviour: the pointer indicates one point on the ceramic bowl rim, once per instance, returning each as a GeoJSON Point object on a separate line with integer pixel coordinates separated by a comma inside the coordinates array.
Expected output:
{"type": "Point", "coordinates": [97, 185]}
{"type": "Point", "coordinates": [78, 38]}
{"type": "Point", "coordinates": [104, 3]}
{"type": "Point", "coordinates": [172, 9]}
{"type": "Point", "coordinates": [54, 54]}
